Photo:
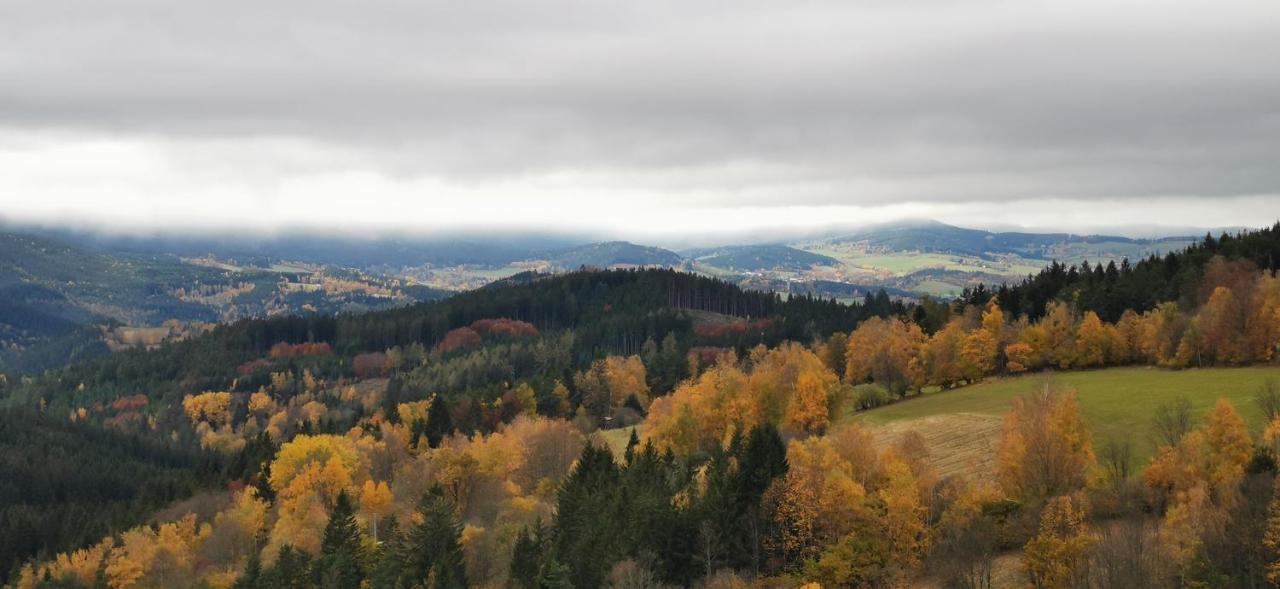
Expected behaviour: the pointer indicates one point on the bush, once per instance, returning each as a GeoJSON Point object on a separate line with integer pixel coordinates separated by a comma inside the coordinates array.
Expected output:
{"type": "Point", "coordinates": [868, 396]}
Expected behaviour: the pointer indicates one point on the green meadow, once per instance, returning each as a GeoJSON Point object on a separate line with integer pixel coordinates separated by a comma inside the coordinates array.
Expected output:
{"type": "Point", "coordinates": [1118, 403]}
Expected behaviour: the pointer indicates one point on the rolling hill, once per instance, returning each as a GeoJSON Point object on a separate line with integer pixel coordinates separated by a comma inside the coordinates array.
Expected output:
{"type": "Point", "coordinates": [933, 236]}
{"type": "Point", "coordinates": [761, 257]}
{"type": "Point", "coordinates": [612, 253]}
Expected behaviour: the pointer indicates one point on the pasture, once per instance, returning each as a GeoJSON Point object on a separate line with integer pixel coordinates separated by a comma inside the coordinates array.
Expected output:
{"type": "Point", "coordinates": [1118, 403]}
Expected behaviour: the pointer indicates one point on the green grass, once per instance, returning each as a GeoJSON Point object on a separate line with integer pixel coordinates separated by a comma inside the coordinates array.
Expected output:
{"type": "Point", "coordinates": [1117, 402]}
{"type": "Point", "coordinates": [938, 288]}
{"type": "Point", "coordinates": [616, 439]}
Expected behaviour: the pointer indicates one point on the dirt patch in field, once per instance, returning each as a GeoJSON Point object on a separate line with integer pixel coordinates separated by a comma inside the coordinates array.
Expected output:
{"type": "Point", "coordinates": [959, 443]}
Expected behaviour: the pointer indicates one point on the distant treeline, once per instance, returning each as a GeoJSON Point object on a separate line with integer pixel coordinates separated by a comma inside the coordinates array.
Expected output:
{"type": "Point", "coordinates": [1111, 289]}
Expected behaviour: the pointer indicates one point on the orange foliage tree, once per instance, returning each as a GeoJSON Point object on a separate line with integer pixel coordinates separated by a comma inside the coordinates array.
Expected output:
{"type": "Point", "coordinates": [1044, 447]}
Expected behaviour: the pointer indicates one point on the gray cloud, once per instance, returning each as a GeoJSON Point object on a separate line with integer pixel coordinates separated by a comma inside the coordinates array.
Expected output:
{"type": "Point", "coordinates": [826, 103]}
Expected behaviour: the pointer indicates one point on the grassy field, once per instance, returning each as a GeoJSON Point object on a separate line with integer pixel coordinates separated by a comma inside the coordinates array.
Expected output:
{"type": "Point", "coordinates": [1117, 402]}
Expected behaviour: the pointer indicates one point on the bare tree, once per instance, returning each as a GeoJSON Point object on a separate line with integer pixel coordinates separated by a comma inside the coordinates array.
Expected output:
{"type": "Point", "coordinates": [630, 574]}
{"type": "Point", "coordinates": [1117, 459]}
{"type": "Point", "coordinates": [1172, 421]}
{"type": "Point", "coordinates": [1127, 555]}
{"type": "Point", "coordinates": [965, 554]}
{"type": "Point", "coordinates": [1268, 399]}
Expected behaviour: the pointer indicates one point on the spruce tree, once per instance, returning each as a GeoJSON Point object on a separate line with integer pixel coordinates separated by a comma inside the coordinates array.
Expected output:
{"type": "Point", "coordinates": [340, 549]}
{"type": "Point", "coordinates": [555, 575]}
{"type": "Point", "coordinates": [252, 576]}
{"type": "Point", "coordinates": [587, 535]}
{"type": "Point", "coordinates": [631, 445]}
{"type": "Point", "coordinates": [439, 422]}
{"type": "Point", "coordinates": [291, 571]}
{"type": "Point", "coordinates": [388, 563]}
{"type": "Point", "coordinates": [433, 546]}
{"type": "Point", "coordinates": [391, 400]}
{"type": "Point", "coordinates": [763, 459]}
{"type": "Point", "coordinates": [524, 561]}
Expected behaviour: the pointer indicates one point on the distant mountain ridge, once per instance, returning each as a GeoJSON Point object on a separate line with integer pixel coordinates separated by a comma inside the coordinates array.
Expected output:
{"type": "Point", "coordinates": [933, 236]}
{"type": "Point", "coordinates": [59, 287]}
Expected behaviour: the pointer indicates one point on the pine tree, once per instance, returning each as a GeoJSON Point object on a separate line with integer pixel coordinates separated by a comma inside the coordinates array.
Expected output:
{"type": "Point", "coordinates": [631, 445]}
{"type": "Point", "coordinates": [432, 547]}
{"type": "Point", "coordinates": [391, 400]}
{"type": "Point", "coordinates": [388, 564]}
{"type": "Point", "coordinates": [586, 534]}
{"type": "Point", "coordinates": [555, 575]}
{"type": "Point", "coordinates": [524, 561]}
{"type": "Point", "coordinates": [763, 459]}
{"type": "Point", "coordinates": [340, 549]}
{"type": "Point", "coordinates": [439, 422]}
{"type": "Point", "coordinates": [252, 577]}
{"type": "Point", "coordinates": [291, 570]}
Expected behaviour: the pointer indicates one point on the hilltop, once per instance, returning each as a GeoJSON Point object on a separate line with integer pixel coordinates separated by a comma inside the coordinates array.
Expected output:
{"type": "Point", "coordinates": [760, 257]}
{"type": "Point", "coordinates": [610, 254]}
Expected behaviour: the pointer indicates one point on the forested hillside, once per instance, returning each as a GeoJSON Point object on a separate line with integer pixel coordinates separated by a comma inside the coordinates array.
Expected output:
{"type": "Point", "coordinates": [61, 303]}
{"type": "Point", "coordinates": [761, 257]}
{"type": "Point", "coordinates": [1111, 289]}
{"type": "Point", "coordinates": [476, 440]}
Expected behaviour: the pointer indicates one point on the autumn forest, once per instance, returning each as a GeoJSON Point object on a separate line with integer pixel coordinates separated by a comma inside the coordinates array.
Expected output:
{"type": "Point", "coordinates": [638, 428]}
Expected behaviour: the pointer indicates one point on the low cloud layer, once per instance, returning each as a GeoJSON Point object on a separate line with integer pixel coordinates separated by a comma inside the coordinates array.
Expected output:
{"type": "Point", "coordinates": [656, 117]}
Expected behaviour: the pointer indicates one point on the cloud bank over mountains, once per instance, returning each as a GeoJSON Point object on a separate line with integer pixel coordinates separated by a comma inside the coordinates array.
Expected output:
{"type": "Point", "coordinates": [642, 120]}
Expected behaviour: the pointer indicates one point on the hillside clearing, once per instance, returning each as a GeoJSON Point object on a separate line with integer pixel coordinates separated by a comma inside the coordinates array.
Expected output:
{"type": "Point", "coordinates": [959, 444]}
{"type": "Point", "coordinates": [1117, 402]}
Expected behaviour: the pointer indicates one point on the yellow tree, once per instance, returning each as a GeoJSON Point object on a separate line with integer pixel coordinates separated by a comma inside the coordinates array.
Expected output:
{"type": "Point", "coordinates": [993, 320]}
{"type": "Point", "coordinates": [904, 514]}
{"type": "Point", "coordinates": [1262, 331]}
{"type": "Point", "coordinates": [1271, 538]}
{"type": "Point", "coordinates": [1044, 446]}
{"type": "Point", "coordinates": [941, 357]}
{"type": "Point", "coordinates": [1128, 338]}
{"type": "Point", "coordinates": [1180, 468]}
{"type": "Point", "coordinates": [210, 407]}
{"type": "Point", "coordinates": [1229, 448]}
{"type": "Point", "coordinates": [978, 354]}
{"type": "Point", "coordinates": [1019, 355]}
{"type": "Point", "coordinates": [884, 351]}
{"type": "Point", "coordinates": [307, 474]}
{"type": "Point", "coordinates": [1184, 526]}
{"type": "Point", "coordinates": [260, 403]}
{"type": "Point", "coordinates": [809, 410]}
{"type": "Point", "coordinates": [1159, 333]}
{"type": "Point", "coordinates": [1059, 328]}
{"type": "Point", "coordinates": [1055, 556]}
{"type": "Point", "coordinates": [1092, 342]}
{"type": "Point", "coordinates": [822, 502]}
{"type": "Point", "coordinates": [626, 377]}
{"type": "Point", "coordinates": [375, 500]}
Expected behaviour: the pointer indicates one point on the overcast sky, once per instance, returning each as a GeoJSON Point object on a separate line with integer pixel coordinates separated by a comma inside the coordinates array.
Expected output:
{"type": "Point", "coordinates": [639, 119]}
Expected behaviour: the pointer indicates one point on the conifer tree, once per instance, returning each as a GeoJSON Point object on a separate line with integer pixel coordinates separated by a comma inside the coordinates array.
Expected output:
{"type": "Point", "coordinates": [632, 442]}
{"type": "Point", "coordinates": [432, 547]}
{"type": "Point", "coordinates": [439, 422]}
{"type": "Point", "coordinates": [291, 570]}
{"type": "Point", "coordinates": [586, 534]}
{"type": "Point", "coordinates": [524, 561]}
{"type": "Point", "coordinates": [252, 576]}
{"type": "Point", "coordinates": [339, 562]}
